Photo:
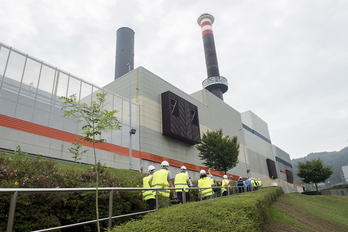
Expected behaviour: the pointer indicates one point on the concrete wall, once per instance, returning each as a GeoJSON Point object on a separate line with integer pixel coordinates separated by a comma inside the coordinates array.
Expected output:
{"type": "Point", "coordinates": [35, 102]}
{"type": "Point", "coordinates": [213, 114]}
{"type": "Point", "coordinates": [283, 163]}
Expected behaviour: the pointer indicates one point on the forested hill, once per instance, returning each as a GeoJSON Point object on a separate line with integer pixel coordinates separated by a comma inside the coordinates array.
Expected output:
{"type": "Point", "coordinates": [335, 159]}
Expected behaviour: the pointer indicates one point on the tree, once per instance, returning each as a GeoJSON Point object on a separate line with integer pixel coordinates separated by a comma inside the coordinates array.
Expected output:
{"type": "Point", "coordinates": [76, 149]}
{"type": "Point", "coordinates": [218, 152]}
{"type": "Point", "coordinates": [95, 120]}
{"type": "Point", "coordinates": [313, 172]}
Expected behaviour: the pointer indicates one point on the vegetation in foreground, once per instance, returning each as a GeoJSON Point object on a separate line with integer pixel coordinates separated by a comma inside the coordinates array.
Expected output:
{"type": "Point", "coordinates": [290, 212]}
{"type": "Point", "coordinates": [95, 119]}
{"type": "Point", "coordinates": [40, 211]}
{"type": "Point", "coordinates": [243, 212]}
{"type": "Point", "coordinates": [299, 212]}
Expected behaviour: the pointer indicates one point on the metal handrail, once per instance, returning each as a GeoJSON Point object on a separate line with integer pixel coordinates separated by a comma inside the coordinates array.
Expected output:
{"type": "Point", "coordinates": [15, 191]}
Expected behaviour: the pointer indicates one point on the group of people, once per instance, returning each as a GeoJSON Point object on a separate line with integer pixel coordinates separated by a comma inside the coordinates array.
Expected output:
{"type": "Point", "coordinates": [207, 182]}
{"type": "Point", "coordinates": [248, 185]}
{"type": "Point", "coordinates": [163, 178]}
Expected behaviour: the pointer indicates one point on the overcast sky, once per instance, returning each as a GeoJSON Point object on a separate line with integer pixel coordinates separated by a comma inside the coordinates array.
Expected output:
{"type": "Point", "coordinates": [285, 60]}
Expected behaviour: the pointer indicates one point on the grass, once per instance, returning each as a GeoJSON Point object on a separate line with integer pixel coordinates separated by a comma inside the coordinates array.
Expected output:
{"type": "Point", "coordinates": [299, 212]}
{"type": "Point", "coordinates": [333, 208]}
{"type": "Point", "coordinates": [291, 212]}
{"type": "Point", "coordinates": [278, 217]}
{"type": "Point", "coordinates": [126, 178]}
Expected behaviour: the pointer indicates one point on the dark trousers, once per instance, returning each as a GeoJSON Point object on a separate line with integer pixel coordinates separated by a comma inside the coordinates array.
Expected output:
{"type": "Point", "coordinates": [180, 199]}
{"type": "Point", "coordinates": [152, 203]}
{"type": "Point", "coordinates": [240, 189]}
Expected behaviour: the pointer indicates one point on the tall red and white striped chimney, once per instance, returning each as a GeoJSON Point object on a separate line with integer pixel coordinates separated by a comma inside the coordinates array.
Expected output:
{"type": "Point", "coordinates": [215, 83]}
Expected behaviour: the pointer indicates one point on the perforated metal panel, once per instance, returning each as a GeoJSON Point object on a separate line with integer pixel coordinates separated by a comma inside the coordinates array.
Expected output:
{"type": "Point", "coordinates": [272, 171]}
{"type": "Point", "coordinates": [289, 176]}
{"type": "Point", "coordinates": [180, 119]}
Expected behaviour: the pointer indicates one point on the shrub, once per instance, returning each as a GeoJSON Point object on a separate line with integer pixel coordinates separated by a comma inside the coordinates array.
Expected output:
{"type": "Point", "coordinates": [39, 211]}
{"type": "Point", "coordinates": [243, 212]}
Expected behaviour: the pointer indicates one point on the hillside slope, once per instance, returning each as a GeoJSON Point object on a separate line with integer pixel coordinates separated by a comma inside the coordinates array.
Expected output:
{"type": "Point", "coordinates": [297, 212]}
{"type": "Point", "coordinates": [335, 159]}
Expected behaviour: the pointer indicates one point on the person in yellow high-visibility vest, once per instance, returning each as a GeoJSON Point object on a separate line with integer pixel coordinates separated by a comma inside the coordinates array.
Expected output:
{"type": "Point", "coordinates": [213, 184]}
{"type": "Point", "coordinates": [182, 180]}
{"type": "Point", "coordinates": [163, 179]}
{"type": "Point", "coordinates": [253, 183]}
{"type": "Point", "coordinates": [225, 183]}
{"type": "Point", "coordinates": [205, 182]}
{"type": "Point", "coordinates": [149, 195]}
{"type": "Point", "coordinates": [259, 183]}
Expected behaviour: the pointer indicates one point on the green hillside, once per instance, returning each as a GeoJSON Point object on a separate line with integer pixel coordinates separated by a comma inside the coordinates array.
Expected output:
{"type": "Point", "coordinates": [335, 159]}
{"type": "Point", "coordinates": [299, 212]}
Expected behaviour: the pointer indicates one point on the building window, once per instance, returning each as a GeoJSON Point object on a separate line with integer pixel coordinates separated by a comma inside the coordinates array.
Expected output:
{"type": "Point", "coordinates": [194, 117]}
{"type": "Point", "coordinates": [272, 171]}
{"type": "Point", "coordinates": [174, 107]}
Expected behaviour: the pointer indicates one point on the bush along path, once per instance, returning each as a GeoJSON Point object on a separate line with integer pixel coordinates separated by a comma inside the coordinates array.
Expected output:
{"type": "Point", "coordinates": [40, 211]}
{"type": "Point", "coordinates": [242, 212]}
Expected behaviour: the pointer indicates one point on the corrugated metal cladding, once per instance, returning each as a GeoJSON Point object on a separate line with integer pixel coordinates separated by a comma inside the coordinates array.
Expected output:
{"type": "Point", "coordinates": [289, 176]}
{"type": "Point", "coordinates": [272, 171]}
{"type": "Point", "coordinates": [180, 119]}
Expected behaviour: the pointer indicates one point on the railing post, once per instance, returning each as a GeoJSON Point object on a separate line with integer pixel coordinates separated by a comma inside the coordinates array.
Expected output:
{"type": "Point", "coordinates": [183, 196]}
{"type": "Point", "coordinates": [200, 193]}
{"type": "Point", "coordinates": [12, 211]}
{"type": "Point", "coordinates": [157, 204]}
{"type": "Point", "coordinates": [111, 198]}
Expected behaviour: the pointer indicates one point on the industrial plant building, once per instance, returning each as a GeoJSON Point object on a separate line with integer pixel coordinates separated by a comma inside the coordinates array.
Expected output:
{"type": "Point", "coordinates": [159, 121]}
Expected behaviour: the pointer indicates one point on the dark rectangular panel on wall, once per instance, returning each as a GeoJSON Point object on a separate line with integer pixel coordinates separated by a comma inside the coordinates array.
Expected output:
{"type": "Point", "coordinates": [180, 119]}
{"type": "Point", "coordinates": [272, 171]}
{"type": "Point", "coordinates": [289, 176]}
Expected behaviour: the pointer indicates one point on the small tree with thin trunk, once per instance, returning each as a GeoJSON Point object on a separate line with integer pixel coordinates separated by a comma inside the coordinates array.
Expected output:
{"type": "Point", "coordinates": [313, 172]}
{"type": "Point", "coordinates": [95, 120]}
{"type": "Point", "coordinates": [76, 149]}
{"type": "Point", "coordinates": [219, 152]}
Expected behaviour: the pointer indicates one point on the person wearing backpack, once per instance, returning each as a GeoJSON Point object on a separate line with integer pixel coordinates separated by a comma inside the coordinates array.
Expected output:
{"type": "Point", "coordinates": [240, 185]}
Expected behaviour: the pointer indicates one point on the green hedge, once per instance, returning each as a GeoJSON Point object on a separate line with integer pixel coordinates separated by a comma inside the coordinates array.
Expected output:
{"type": "Point", "coordinates": [39, 211]}
{"type": "Point", "coordinates": [243, 212]}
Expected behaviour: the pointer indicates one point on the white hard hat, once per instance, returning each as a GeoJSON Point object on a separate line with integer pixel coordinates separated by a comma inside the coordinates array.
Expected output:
{"type": "Point", "coordinates": [165, 164]}
{"type": "Point", "coordinates": [151, 168]}
{"type": "Point", "coordinates": [183, 168]}
{"type": "Point", "coordinates": [225, 177]}
{"type": "Point", "coordinates": [202, 172]}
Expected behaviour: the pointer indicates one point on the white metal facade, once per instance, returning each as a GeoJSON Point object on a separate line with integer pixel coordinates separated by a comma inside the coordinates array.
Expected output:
{"type": "Point", "coordinates": [30, 90]}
